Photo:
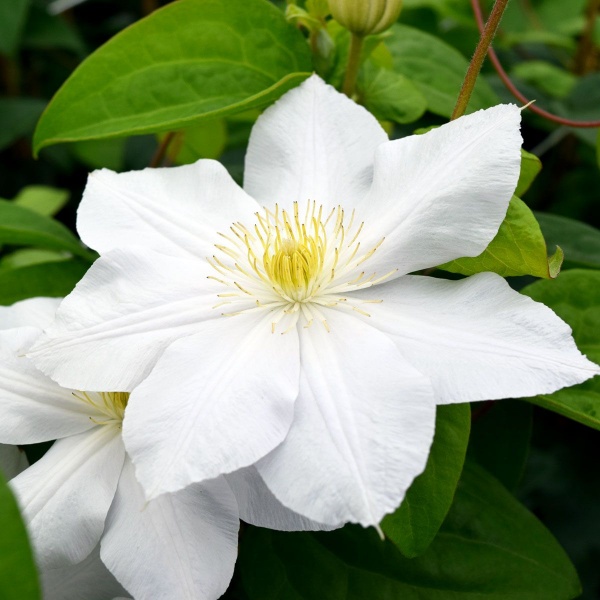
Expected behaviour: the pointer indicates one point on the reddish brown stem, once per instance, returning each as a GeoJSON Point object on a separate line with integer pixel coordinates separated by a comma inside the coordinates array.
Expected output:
{"type": "Point", "coordinates": [515, 92]}
{"type": "Point", "coordinates": [161, 151]}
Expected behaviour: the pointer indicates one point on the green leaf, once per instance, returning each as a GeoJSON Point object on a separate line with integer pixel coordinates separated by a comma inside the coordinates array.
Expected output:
{"type": "Point", "coordinates": [531, 165]}
{"type": "Point", "coordinates": [23, 227]}
{"type": "Point", "coordinates": [189, 61]}
{"type": "Point", "coordinates": [436, 68]}
{"type": "Point", "coordinates": [98, 154]}
{"type": "Point", "coordinates": [547, 77]}
{"type": "Point", "coordinates": [53, 279]}
{"type": "Point", "coordinates": [18, 117]}
{"type": "Point", "coordinates": [519, 248]}
{"type": "Point", "coordinates": [29, 256]}
{"type": "Point", "coordinates": [18, 576]}
{"type": "Point", "coordinates": [490, 547]}
{"type": "Point", "coordinates": [390, 96]}
{"type": "Point", "coordinates": [575, 298]}
{"type": "Point", "coordinates": [205, 140]}
{"type": "Point", "coordinates": [579, 241]}
{"type": "Point", "coordinates": [42, 199]}
{"type": "Point", "coordinates": [500, 437]}
{"type": "Point", "coordinates": [414, 525]}
{"type": "Point", "coordinates": [12, 19]}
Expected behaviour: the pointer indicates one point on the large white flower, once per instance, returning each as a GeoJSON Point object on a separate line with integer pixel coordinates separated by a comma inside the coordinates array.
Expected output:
{"type": "Point", "coordinates": [83, 493]}
{"type": "Point", "coordinates": [278, 324]}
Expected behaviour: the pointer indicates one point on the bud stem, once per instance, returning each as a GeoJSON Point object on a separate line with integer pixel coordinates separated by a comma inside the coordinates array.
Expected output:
{"type": "Point", "coordinates": [487, 35]}
{"type": "Point", "coordinates": [356, 43]}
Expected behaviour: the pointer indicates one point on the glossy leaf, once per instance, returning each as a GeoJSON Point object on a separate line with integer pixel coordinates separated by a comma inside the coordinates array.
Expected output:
{"type": "Point", "coordinates": [575, 298]}
{"type": "Point", "coordinates": [490, 547]}
{"type": "Point", "coordinates": [531, 165]}
{"type": "Point", "coordinates": [30, 256]}
{"type": "Point", "coordinates": [24, 227]}
{"type": "Point", "coordinates": [436, 68]}
{"type": "Point", "coordinates": [519, 248]}
{"type": "Point", "coordinates": [54, 279]}
{"type": "Point", "coordinates": [389, 95]}
{"type": "Point", "coordinates": [189, 61]}
{"type": "Point", "coordinates": [18, 577]}
{"type": "Point", "coordinates": [579, 241]}
{"type": "Point", "coordinates": [500, 438]}
{"type": "Point", "coordinates": [42, 199]}
{"type": "Point", "coordinates": [414, 525]}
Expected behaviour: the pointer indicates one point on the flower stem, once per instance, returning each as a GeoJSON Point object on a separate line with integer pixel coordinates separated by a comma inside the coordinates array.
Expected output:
{"type": "Point", "coordinates": [161, 151]}
{"type": "Point", "coordinates": [356, 43]}
{"type": "Point", "coordinates": [487, 35]}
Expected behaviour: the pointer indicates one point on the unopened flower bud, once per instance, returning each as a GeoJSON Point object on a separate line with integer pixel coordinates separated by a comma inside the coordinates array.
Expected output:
{"type": "Point", "coordinates": [365, 17]}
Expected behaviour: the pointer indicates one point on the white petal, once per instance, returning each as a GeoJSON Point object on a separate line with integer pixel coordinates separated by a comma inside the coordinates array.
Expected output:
{"type": "Point", "coordinates": [65, 496]}
{"type": "Point", "coordinates": [442, 195]}
{"type": "Point", "coordinates": [477, 339]}
{"type": "Point", "coordinates": [313, 143]}
{"type": "Point", "coordinates": [12, 461]}
{"type": "Point", "coordinates": [216, 401]}
{"type": "Point", "coordinates": [33, 312]}
{"type": "Point", "coordinates": [258, 506]}
{"type": "Point", "coordinates": [33, 407]}
{"type": "Point", "coordinates": [87, 580]}
{"type": "Point", "coordinates": [362, 429]}
{"type": "Point", "coordinates": [128, 308]}
{"type": "Point", "coordinates": [175, 210]}
{"type": "Point", "coordinates": [177, 547]}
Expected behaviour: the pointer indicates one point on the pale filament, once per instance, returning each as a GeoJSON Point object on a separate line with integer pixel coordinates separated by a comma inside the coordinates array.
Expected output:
{"type": "Point", "coordinates": [110, 404]}
{"type": "Point", "coordinates": [292, 264]}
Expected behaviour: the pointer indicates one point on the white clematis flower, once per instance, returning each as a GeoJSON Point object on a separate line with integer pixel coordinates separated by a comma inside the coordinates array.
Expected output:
{"type": "Point", "coordinates": [83, 493]}
{"type": "Point", "coordinates": [280, 320]}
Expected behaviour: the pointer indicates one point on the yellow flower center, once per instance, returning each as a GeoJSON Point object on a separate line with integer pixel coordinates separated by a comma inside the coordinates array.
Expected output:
{"type": "Point", "coordinates": [110, 406]}
{"type": "Point", "coordinates": [293, 264]}
{"type": "Point", "coordinates": [294, 258]}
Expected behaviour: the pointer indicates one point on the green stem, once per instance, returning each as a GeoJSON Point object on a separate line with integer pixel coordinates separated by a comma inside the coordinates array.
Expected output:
{"type": "Point", "coordinates": [356, 43]}
{"type": "Point", "coordinates": [487, 35]}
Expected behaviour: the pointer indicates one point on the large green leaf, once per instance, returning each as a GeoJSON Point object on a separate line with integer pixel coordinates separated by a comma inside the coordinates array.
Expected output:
{"type": "Point", "coordinates": [500, 437]}
{"type": "Point", "coordinates": [23, 227]}
{"type": "Point", "coordinates": [12, 19]}
{"type": "Point", "coordinates": [414, 525]}
{"type": "Point", "coordinates": [575, 298]}
{"type": "Point", "coordinates": [18, 577]}
{"type": "Point", "coordinates": [191, 60]}
{"type": "Point", "coordinates": [436, 68]}
{"type": "Point", "coordinates": [42, 199]}
{"type": "Point", "coordinates": [579, 241]}
{"type": "Point", "coordinates": [519, 248]}
{"type": "Point", "coordinates": [54, 279]}
{"type": "Point", "coordinates": [531, 165]}
{"type": "Point", "coordinates": [490, 547]}
{"type": "Point", "coordinates": [389, 95]}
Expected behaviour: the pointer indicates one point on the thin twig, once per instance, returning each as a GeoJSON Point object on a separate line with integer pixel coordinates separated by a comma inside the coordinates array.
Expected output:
{"type": "Point", "coordinates": [161, 151]}
{"type": "Point", "coordinates": [515, 92]}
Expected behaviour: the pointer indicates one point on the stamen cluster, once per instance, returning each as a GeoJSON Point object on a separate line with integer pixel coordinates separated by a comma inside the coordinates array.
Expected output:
{"type": "Point", "coordinates": [293, 263]}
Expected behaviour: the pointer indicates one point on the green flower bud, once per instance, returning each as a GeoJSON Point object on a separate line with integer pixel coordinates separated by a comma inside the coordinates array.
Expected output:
{"type": "Point", "coordinates": [365, 17]}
